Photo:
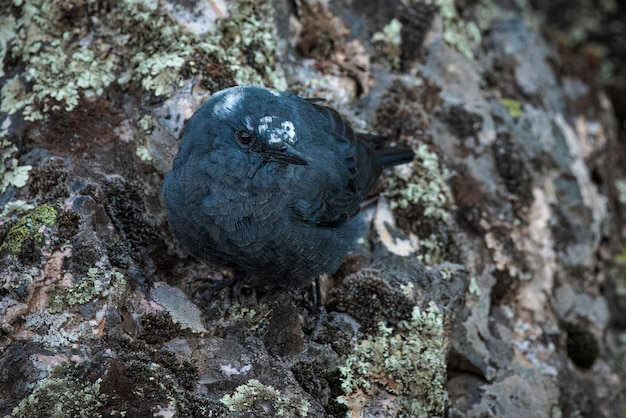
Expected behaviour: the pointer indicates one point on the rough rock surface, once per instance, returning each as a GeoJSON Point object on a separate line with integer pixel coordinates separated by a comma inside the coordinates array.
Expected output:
{"type": "Point", "coordinates": [491, 282]}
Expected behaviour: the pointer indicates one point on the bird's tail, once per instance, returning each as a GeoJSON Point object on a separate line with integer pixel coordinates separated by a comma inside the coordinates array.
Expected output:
{"type": "Point", "coordinates": [388, 157]}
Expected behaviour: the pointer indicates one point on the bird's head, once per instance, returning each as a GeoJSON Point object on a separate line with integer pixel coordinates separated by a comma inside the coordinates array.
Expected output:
{"type": "Point", "coordinates": [256, 122]}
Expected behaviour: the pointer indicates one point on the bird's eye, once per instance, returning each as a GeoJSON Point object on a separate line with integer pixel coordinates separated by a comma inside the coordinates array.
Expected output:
{"type": "Point", "coordinates": [245, 138]}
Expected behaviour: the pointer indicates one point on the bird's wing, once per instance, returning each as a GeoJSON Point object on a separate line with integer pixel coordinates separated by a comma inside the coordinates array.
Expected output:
{"type": "Point", "coordinates": [336, 191]}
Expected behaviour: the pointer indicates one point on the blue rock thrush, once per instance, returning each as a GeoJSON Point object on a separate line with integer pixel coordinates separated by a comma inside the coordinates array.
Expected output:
{"type": "Point", "coordinates": [270, 185]}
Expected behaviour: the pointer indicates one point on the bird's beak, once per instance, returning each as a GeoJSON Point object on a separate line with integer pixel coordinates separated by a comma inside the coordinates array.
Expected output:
{"type": "Point", "coordinates": [286, 155]}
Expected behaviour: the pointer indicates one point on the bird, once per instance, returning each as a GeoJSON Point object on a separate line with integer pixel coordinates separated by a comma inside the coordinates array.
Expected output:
{"type": "Point", "coordinates": [270, 185]}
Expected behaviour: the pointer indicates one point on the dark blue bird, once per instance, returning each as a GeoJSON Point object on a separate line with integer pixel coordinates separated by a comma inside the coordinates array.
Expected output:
{"type": "Point", "coordinates": [270, 185]}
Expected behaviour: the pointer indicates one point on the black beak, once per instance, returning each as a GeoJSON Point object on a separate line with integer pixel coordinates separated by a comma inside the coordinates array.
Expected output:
{"type": "Point", "coordinates": [285, 154]}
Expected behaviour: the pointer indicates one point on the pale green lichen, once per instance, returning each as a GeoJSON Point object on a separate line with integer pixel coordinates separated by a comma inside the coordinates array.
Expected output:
{"type": "Point", "coordinates": [7, 23]}
{"type": "Point", "coordinates": [425, 185]}
{"type": "Point", "coordinates": [474, 288]}
{"type": "Point", "coordinates": [512, 106]}
{"type": "Point", "coordinates": [431, 250]}
{"type": "Point", "coordinates": [620, 185]}
{"type": "Point", "coordinates": [64, 64]}
{"type": "Point", "coordinates": [13, 95]}
{"type": "Point", "coordinates": [50, 330]}
{"type": "Point", "coordinates": [143, 153]}
{"type": "Point", "coordinates": [76, 49]}
{"type": "Point", "coordinates": [389, 41]}
{"type": "Point", "coordinates": [30, 226]}
{"type": "Point", "coordinates": [249, 32]}
{"type": "Point", "coordinates": [408, 361]}
{"type": "Point", "coordinates": [12, 174]}
{"type": "Point", "coordinates": [421, 189]}
{"type": "Point", "coordinates": [459, 33]}
{"type": "Point", "coordinates": [15, 206]}
{"type": "Point", "coordinates": [254, 392]}
{"type": "Point", "coordinates": [88, 289]}
{"type": "Point", "coordinates": [66, 392]}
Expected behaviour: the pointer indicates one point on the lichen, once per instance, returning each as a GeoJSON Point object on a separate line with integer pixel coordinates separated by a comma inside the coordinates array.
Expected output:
{"type": "Point", "coordinates": [88, 289]}
{"type": "Point", "coordinates": [50, 329]}
{"type": "Point", "coordinates": [254, 394]}
{"type": "Point", "coordinates": [408, 361]}
{"type": "Point", "coordinates": [30, 226]}
{"type": "Point", "coordinates": [15, 206]}
{"type": "Point", "coordinates": [76, 49]}
{"type": "Point", "coordinates": [11, 173]}
{"type": "Point", "coordinates": [620, 185]}
{"type": "Point", "coordinates": [67, 391]}
{"type": "Point", "coordinates": [512, 106]}
{"type": "Point", "coordinates": [389, 41]}
{"type": "Point", "coordinates": [457, 32]}
{"type": "Point", "coordinates": [425, 186]}
{"type": "Point", "coordinates": [246, 44]}
{"type": "Point", "coordinates": [420, 193]}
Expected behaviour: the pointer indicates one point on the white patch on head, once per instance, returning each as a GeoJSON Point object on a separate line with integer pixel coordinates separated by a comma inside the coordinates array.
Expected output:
{"type": "Point", "coordinates": [263, 128]}
{"type": "Point", "coordinates": [275, 137]}
{"type": "Point", "coordinates": [227, 105]}
{"type": "Point", "coordinates": [249, 123]}
{"type": "Point", "coordinates": [289, 131]}
{"type": "Point", "coordinates": [274, 92]}
{"type": "Point", "coordinates": [286, 132]}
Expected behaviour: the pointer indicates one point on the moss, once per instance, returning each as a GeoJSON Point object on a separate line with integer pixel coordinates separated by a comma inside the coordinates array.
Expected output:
{"type": "Point", "coordinates": [183, 371]}
{"type": "Point", "coordinates": [49, 180]}
{"type": "Point", "coordinates": [88, 289]}
{"type": "Point", "coordinates": [370, 300]}
{"type": "Point", "coordinates": [255, 397]}
{"type": "Point", "coordinates": [29, 227]}
{"type": "Point", "coordinates": [159, 328]}
{"type": "Point", "coordinates": [408, 360]}
{"type": "Point", "coordinates": [457, 32]}
{"type": "Point", "coordinates": [78, 48]}
{"type": "Point", "coordinates": [462, 122]}
{"type": "Point", "coordinates": [66, 392]}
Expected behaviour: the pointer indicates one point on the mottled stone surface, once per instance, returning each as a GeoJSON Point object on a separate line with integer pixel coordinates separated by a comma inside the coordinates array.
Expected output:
{"type": "Point", "coordinates": [490, 284]}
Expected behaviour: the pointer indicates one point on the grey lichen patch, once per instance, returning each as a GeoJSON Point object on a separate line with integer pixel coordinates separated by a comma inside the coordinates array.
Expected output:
{"type": "Point", "coordinates": [254, 396]}
{"type": "Point", "coordinates": [457, 32]}
{"type": "Point", "coordinates": [620, 185]}
{"type": "Point", "coordinates": [424, 186]}
{"type": "Point", "coordinates": [408, 361]}
{"type": "Point", "coordinates": [88, 289]}
{"type": "Point", "coordinates": [66, 392]}
{"type": "Point", "coordinates": [11, 173]}
{"type": "Point", "coordinates": [246, 44]}
{"type": "Point", "coordinates": [64, 61]}
{"type": "Point", "coordinates": [420, 194]}
{"type": "Point", "coordinates": [49, 329]}
{"type": "Point", "coordinates": [389, 41]}
{"type": "Point", "coordinates": [7, 22]}
{"type": "Point", "coordinates": [76, 49]}
{"type": "Point", "coordinates": [29, 227]}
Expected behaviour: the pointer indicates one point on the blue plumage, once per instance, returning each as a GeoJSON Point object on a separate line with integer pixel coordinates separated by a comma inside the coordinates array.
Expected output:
{"type": "Point", "coordinates": [270, 184]}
